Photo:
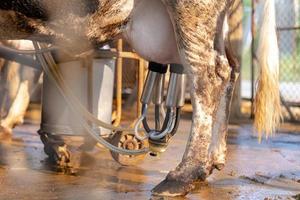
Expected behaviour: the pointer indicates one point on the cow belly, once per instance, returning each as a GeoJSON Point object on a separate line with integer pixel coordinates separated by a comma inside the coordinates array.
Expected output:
{"type": "Point", "coordinates": [151, 33]}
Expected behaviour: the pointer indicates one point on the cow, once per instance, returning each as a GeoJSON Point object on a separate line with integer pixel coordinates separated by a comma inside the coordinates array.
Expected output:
{"type": "Point", "coordinates": [187, 32]}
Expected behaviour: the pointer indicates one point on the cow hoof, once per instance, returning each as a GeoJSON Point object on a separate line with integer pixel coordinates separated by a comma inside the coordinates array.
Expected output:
{"type": "Point", "coordinates": [172, 188]}
{"type": "Point", "coordinates": [5, 130]}
{"type": "Point", "coordinates": [219, 166]}
{"type": "Point", "coordinates": [58, 154]}
{"type": "Point", "coordinates": [56, 149]}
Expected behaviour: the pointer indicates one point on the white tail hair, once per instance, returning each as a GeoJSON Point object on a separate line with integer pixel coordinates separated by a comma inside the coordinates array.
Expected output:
{"type": "Point", "coordinates": [267, 99]}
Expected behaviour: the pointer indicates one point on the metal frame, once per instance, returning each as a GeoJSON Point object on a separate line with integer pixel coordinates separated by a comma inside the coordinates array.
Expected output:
{"type": "Point", "coordinates": [140, 77]}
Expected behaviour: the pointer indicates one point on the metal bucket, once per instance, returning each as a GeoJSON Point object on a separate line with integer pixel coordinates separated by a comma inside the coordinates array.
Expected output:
{"type": "Point", "coordinates": [93, 86]}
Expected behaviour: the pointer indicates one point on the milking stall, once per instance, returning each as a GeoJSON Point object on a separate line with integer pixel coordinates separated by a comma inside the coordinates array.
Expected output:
{"type": "Point", "coordinates": [150, 99]}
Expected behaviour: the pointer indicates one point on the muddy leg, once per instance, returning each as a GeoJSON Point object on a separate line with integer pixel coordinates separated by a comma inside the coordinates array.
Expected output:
{"type": "Point", "coordinates": [209, 71]}
{"type": "Point", "coordinates": [218, 148]}
{"type": "Point", "coordinates": [196, 164]}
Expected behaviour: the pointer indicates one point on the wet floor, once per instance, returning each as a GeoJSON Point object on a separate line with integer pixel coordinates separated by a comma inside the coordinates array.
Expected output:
{"type": "Point", "coordinates": [266, 171]}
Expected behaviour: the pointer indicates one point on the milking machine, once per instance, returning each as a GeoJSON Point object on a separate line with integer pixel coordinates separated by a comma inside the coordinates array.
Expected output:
{"type": "Point", "coordinates": [84, 110]}
{"type": "Point", "coordinates": [166, 122]}
{"type": "Point", "coordinates": [77, 113]}
{"type": "Point", "coordinates": [92, 82]}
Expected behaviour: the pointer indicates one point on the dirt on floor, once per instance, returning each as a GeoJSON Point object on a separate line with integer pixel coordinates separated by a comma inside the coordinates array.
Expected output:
{"type": "Point", "coordinates": [266, 171]}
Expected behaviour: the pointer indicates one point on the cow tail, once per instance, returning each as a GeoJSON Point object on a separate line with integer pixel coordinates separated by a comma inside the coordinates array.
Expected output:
{"type": "Point", "coordinates": [267, 106]}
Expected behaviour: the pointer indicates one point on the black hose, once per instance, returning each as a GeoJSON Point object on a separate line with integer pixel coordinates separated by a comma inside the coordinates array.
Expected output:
{"type": "Point", "coordinates": [145, 123]}
{"type": "Point", "coordinates": [165, 124]}
{"type": "Point", "coordinates": [157, 117]}
{"type": "Point", "coordinates": [167, 118]}
{"type": "Point", "coordinates": [177, 120]}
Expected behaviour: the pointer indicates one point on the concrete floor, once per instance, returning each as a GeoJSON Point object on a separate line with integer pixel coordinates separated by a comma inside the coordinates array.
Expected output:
{"type": "Point", "coordinates": [266, 171]}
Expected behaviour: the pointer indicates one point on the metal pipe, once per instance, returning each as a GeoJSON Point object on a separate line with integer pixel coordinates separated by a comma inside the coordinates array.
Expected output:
{"type": "Point", "coordinates": [158, 90]}
{"type": "Point", "coordinates": [154, 85]}
{"type": "Point", "coordinates": [176, 90]}
{"type": "Point", "coordinates": [9, 54]}
{"type": "Point", "coordinates": [253, 6]}
{"type": "Point", "coordinates": [177, 86]}
{"type": "Point", "coordinates": [119, 84]}
{"type": "Point", "coordinates": [141, 79]}
{"type": "Point", "coordinates": [150, 83]}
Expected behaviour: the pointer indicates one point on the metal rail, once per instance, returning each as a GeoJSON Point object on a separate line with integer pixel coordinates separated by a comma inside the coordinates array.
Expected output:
{"type": "Point", "coordinates": [288, 28]}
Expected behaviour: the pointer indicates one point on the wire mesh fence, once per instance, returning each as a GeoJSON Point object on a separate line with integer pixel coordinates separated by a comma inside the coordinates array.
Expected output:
{"type": "Point", "coordinates": [288, 32]}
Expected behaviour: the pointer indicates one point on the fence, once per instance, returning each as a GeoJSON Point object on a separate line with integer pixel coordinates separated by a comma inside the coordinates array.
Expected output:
{"type": "Point", "coordinates": [288, 32]}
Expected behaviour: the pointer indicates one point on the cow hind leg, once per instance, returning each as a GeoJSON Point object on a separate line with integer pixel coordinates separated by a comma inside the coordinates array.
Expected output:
{"type": "Point", "coordinates": [18, 108]}
{"type": "Point", "coordinates": [197, 163]}
{"type": "Point", "coordinates": [218, 147]}
{"type": "Point", "coordinates": [209, 73]}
